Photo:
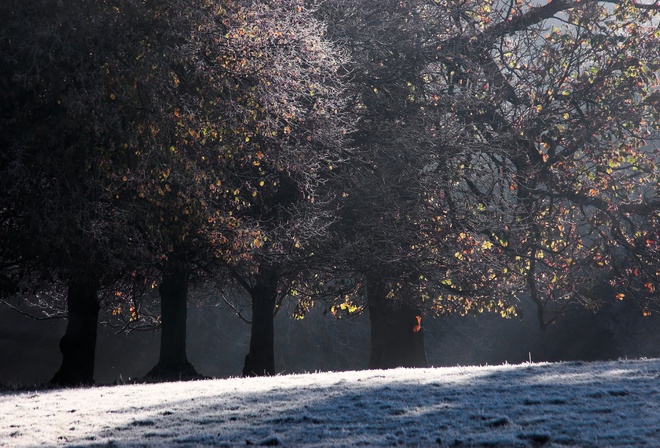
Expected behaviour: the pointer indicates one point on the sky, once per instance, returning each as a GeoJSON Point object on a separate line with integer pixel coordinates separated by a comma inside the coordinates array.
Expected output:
{"type": "Point", "coordinates": [597, 404]}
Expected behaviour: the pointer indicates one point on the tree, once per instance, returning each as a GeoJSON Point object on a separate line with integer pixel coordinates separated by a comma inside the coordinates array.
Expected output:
{"type": "Point", "coordinates": [499, 152]}
{"type": "Point", "coordinates": [292, 119]}
{"type": "Point", "coordinates": [60, 155]}
{"type": "Point", "coordinates": [190, 129]}
{"type": "Point", "coordinates": [558, 99]}
{"type": "Point", "coordinates": [111, 178]}
{"type": "Point", "coordinates": [393, 190]}
{"type": "Point", "coordinates": [244, 117]}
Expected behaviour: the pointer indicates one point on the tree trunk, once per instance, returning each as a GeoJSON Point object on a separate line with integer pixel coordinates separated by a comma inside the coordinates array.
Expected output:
{"type": "Point", "coordinates": [173, 361]}
{"type": "Point", "coordinates": [260, 360]}
{"type": "Point", "coordinates": [78, 345]}
{"type": "Point", "coordinates": [397, 336]}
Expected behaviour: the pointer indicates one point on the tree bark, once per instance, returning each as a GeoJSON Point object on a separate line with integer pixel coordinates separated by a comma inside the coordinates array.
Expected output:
{"type": "Point", "coordinates": [397, 336]}
{"type": "Point", "coordinates": [260, 360]}
{"type": "Point", "coordinates": [173, 361]}
{"type": "Point", "coordinates": [78, 345]}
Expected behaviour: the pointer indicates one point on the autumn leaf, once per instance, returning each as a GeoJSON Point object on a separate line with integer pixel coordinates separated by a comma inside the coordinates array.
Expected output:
{"type": "Point", "coordinates": [418, 326]}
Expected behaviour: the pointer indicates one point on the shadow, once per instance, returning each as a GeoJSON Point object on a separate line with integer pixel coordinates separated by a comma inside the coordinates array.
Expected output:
{"type": "Point", "coordinates": [569, 404]}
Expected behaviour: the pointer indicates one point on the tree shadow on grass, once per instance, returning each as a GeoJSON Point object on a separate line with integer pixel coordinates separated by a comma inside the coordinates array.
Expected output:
{"type": "Point", "coordinates": [571, 404]}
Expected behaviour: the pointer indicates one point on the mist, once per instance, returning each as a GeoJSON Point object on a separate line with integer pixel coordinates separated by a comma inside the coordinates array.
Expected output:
{"type": "Point", "coordinates": [218, 341]}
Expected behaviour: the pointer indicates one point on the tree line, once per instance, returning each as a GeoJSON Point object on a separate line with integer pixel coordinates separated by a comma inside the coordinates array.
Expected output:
{"type": "Point", "coordinates": [405, 158]}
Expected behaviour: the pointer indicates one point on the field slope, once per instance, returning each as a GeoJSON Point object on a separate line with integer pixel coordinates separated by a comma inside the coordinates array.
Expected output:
{"type": "Point", "coordinates": [567, 404]}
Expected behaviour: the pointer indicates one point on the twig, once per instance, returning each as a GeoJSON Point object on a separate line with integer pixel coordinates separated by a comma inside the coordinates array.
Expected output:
{"type": "Point", "coordinates": [236, 310]}
{"type": "Point", "coordinates": [32, 316]}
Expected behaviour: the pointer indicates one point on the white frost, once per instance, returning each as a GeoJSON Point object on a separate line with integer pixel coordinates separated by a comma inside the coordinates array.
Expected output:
{"type": "Point", "coordinates": [565, 404]}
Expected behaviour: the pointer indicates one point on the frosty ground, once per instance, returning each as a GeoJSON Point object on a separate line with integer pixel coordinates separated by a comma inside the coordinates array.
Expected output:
{"type": "Point", "coordinates": [567, 404]}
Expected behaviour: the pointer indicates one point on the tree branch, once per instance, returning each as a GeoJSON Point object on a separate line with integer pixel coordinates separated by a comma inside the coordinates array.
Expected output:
{"type": "Point", "coordinates": [235, 309]}
{"type": "Point", "coordinates": [32, 316]}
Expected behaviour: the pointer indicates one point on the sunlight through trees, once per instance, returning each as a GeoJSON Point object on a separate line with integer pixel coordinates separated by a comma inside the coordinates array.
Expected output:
{"type": "Point", "coordinates": [408, 159]}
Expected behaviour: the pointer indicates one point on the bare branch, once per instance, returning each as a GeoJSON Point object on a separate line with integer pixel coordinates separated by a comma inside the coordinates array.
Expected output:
{"type": "Point", "coordinates": [61, 315]}
{"type": "Point", "coordinates": [238, 312]}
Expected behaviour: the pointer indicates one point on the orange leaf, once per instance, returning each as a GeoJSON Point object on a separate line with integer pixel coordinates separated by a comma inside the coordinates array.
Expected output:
{"type": "Point", "coordinates": [418, 327]}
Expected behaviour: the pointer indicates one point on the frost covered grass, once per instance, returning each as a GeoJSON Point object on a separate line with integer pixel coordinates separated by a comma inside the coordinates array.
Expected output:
{"type": "Point", "coordinates": [566, 404]}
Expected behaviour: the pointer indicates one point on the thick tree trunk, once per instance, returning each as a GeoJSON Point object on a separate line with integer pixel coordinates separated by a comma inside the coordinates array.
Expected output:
{"type": "Point", "coordinates": [260, 360]}
{"type": "Point", "coordinates": [78, 345]}
{"type": "Point", "coordinates": [397, 336]}
{"type": "Point", "coordinates": [173, 361]}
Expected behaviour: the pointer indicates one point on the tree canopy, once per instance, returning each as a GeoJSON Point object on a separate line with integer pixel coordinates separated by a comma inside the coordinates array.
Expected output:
{"type": "Point", "coordinates": [411, 157]}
